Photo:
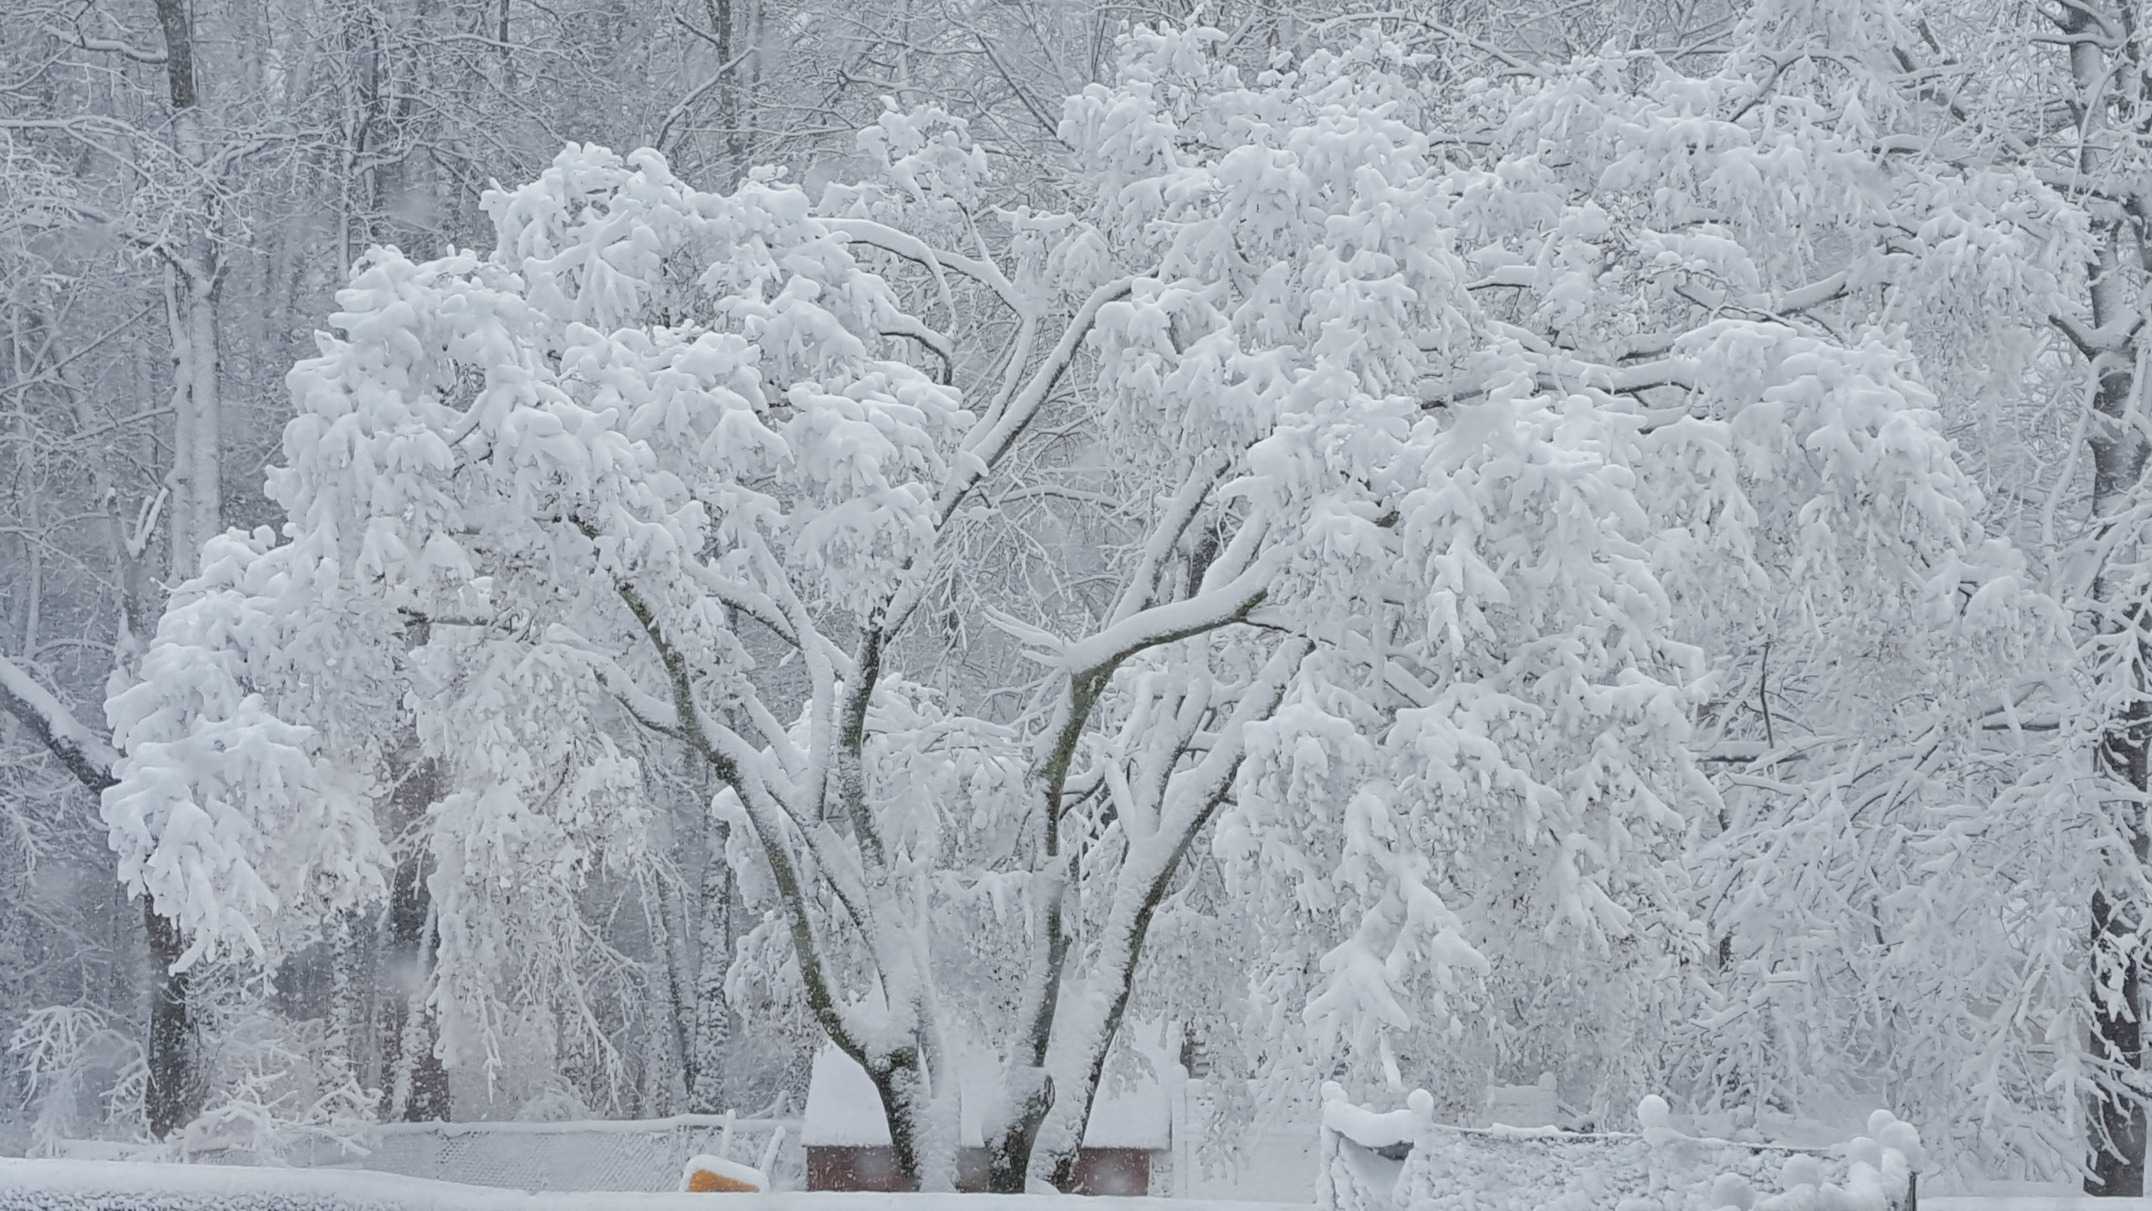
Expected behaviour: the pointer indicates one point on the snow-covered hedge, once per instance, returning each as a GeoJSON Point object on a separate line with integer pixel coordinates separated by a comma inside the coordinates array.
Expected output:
{"type": "Point", "coordinates": [1366, 1166]}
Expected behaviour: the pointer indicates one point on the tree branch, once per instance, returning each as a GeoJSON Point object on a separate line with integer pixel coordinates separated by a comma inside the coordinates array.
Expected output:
{"type": "Point", "coordinates": [87, 755]}
{"type": "Point", "coordinates": [76, 38]}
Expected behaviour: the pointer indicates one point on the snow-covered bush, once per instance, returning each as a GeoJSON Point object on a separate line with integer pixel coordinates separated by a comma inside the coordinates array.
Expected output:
{"type": "Point", "coordinates": [280, 1088]}
{"type": "Point", "coordinates": [83, 1072]}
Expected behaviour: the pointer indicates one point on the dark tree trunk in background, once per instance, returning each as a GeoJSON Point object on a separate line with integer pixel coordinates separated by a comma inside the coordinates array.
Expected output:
{"type": "Point", "coordinates": [174, 1094]}
{"type": "Point", "coordinates": [2118, 1145]}
{"type": "Point", "coordinates": [2118, 1125]}
{"type": "Point", "coordinates": [2116, 1117]}
{"type": "Point", "coordinates": [414, 1080]}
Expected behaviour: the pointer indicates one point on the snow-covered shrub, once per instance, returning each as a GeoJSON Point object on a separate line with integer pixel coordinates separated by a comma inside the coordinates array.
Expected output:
{"type": "Point", "coordinates": [281, 1089]}
{"type": "Point", "coordinates": [84, 1075]}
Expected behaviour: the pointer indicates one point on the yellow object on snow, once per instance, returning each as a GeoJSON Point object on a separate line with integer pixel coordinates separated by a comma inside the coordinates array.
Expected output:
{"type": "Point", "coordinates": [716, 1175]}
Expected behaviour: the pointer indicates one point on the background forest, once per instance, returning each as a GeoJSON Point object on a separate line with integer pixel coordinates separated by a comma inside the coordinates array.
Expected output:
{"type": "Point", "coordinates": [1604, 537]}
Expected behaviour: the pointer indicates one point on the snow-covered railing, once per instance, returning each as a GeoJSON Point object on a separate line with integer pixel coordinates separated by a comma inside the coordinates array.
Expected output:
{"type": "Point", "coordinates": [1402, 1160]}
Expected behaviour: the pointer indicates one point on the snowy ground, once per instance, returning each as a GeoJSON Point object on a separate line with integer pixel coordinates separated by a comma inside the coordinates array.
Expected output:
{"type": "Point", "coordinates": [2032, 1202]}
{"type": "Point", "coordinates": [1273, 1167]}
{"type": "Point", "coordinates": [75, 1185]}
{"type": "Point", "coordinates": [83, 1185]}
{"type": "Point", "coordinates": [2029, 1196]}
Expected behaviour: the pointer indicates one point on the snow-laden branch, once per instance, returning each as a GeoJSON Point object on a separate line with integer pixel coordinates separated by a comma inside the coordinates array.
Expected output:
{"type": "Point", "coordinates": [996, 432]}
{"type": "Point", "coordinates": [1179, 514]}
{"type": "Point", "coordinates": [76, 38]}
{"type": "Point", "coordinates": [1080, 1048]}
{"type": "Point", "coordinates": [788, 618]}
{"type": "Point", "coordinates": [1170, 622]}
{"type": "Point", "coordinates": [918, 251]}
{"type": "Point", "coordinates": [87, 755]}
{"type": "Point", "coordinates": [990, 439]}
{"type": "Point", "coordinates": [198, 271]}
{"type": "Point", "coordinates": [771, 823]}
{"type": "Point", "coordinates": [935, 342]}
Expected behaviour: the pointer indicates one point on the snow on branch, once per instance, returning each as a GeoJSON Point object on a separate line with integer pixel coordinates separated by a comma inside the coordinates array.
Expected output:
{"type": "Point", "coordinates": [86, 754]}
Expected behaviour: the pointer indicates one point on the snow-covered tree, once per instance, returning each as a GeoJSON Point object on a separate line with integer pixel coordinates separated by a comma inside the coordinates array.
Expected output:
{"type": "Point", "coordinates": [1680, 256]}
{"type": "Point", "coordinates": [1388, 496]}
{"type": "Point", "coordinates": [1922, 836]}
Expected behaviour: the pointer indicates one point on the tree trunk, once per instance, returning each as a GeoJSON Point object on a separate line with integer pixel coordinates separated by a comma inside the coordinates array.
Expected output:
{"type": "Point", "coordinates": [415, 1082]}
{"type": "Point", "coordinates": [668, 1063]}
{"type": "Point", "coordinates": [203, 444]}
{"type": "Point", "coordinates": [723, 24]}
{"type": "Point", "coordinates": [2116, 1122]}
{"type": "Point", "coordinates": [660, 1064]}
{"type": "Point", "coordinates": [1008, 1155]}
{"type": "Point", "coordinates": [350, 1030]}
{"type": "Point", "coordinates": [198, 499]}
{"type": "Point", "coordinates": [174, 1095]}
{"type": "Point", "coordinates": [713, 1024]}
{"type": "Point", "coordinates": [2116, 1118]}
{"type": "Point", "coordinates": [928, 1162]}
{"type": "Point", "coordinates": [1114, 985]}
